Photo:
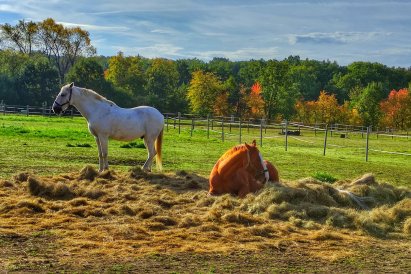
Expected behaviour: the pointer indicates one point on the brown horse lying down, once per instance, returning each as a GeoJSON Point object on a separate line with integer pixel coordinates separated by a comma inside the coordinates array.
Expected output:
{"type": "Point", "coordinates": [272, 171]}
{"type": "Point", "coordinates": [239, 171]}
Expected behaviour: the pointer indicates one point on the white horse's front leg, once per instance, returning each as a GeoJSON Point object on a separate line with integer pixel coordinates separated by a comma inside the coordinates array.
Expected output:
{"type": "Point", "coordinates": [151, 153]}
{"type": "Point", "coordinates": [100, 156]}
{"type": "Point", "coordinates": [104, 152]}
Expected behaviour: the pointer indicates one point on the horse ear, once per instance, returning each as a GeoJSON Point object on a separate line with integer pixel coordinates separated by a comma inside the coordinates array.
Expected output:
{"type": "Point", "coordinates": [254, 143]}
{"type": "Point", "coordinates": [72, 84]}
{"type": "Point", "coordinates": [246, 145]}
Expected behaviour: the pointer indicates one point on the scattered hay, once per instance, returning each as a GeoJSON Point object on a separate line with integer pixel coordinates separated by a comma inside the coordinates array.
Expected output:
{"type": "Point", "coordinates": [49, 190]}
{"type": "Point", "coordinates": [21, 177]}
{"type": "Point", "coordinates": [226, 202]}
{"type": "Point", "coordinates": [88, 173]}
{"type": "Point", "coordinates": [241, 218]}
{"type": "Point", "coordinates": [165, 220]}
{"type": "Point", "coordinates": [192, 184]}
{"type": "Point", "coordinates": [326, 234]}
{"type": "Point", "coordinates": [367, 179]}
{"type": "Point", "coordinates": [6, 184]}
{"type": "Point", "coordinates": [107, 174]}
{"type": "Point", "coordinates": [189, 221]}
{"type": "Point", "coordinates": [79, 202]}
{"type": "Point", "coordinates": [407, 226]}
{"type": "Point", "coordinates": [181, 173]}
{"type": "Point", "coordinates": [125, 209]}
{"type": "Point", "coordinates": [32, 206]}
{"type": "Point", "coordinates": [91, 193]}
{"type": "Point", "coordinates": [137, 173]}
{"type": "Point", "coordinates": [265, 230]}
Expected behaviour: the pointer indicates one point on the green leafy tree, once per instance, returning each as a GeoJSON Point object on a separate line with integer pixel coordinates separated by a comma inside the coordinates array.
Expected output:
{"type": "Point", "coordinates": [38, 82]}
{"type": "Point", "coordinates": [203, 91]}
{"type": "Point", "coordinates": [305, 82]}
{"type": "Point", "coordinates": [286, 99]}
{"type": "Point", "coordinates": [162, 80]}
{"type": "Point", "coordinates": [222, 67]}
{"type": "Point", "coordinates": [88, 73]}
{"type": "Point", "coordinates": [360, 75]}
{"type": "Point", "coordinates": [127, 73]}
{"type": "Point", "coordinates": [273, 81]}
{"type": "Point", "coordinates": [368, 103]}
{"type": "Point", "coordinates": [250, 71]}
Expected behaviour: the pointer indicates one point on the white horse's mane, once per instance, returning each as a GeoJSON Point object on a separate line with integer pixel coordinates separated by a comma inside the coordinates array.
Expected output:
{"type": "Point", "coordinates": [90, 92]}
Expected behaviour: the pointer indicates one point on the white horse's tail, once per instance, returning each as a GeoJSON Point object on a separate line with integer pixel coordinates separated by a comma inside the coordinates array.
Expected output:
{"type": "Point", "coordinates": [158, 144]}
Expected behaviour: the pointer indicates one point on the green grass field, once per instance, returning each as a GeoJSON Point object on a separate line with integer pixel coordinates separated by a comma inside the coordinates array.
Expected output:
{"type": "Point", "coordinates": [52, 145]}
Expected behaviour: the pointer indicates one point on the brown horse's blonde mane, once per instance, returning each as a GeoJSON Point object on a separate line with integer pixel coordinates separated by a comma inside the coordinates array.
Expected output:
{"type": "Point", "coordinates": [92, 93]}
{"type": "Point", "coordinates": [233, 150]}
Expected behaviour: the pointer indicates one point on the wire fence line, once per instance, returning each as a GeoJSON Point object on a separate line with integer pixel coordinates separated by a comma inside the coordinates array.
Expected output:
{"type": "Point", "coordinates": [236, 127]}
{"type": "Point", "coordinates": [225, 127]}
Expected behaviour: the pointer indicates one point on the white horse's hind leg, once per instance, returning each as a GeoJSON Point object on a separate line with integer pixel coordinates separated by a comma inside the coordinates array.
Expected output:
{"type": "Point", "coordinates": [104, 151]}
{"type": "Point", "coordinates": [100, 155]}
{"type": "Point", "coordinates": [149, 143]}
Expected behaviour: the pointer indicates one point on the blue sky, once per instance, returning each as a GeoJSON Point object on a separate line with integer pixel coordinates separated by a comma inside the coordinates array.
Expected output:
{"type": "Point", "coordinates": [342, 31]}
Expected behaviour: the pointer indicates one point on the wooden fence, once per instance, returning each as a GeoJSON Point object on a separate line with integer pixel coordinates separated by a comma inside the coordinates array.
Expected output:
{"type": "Point", "coordinates": [224, 126]}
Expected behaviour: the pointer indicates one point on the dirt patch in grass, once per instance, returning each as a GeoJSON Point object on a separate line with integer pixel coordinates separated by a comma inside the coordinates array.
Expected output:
{"type": "Point", "coordinates": [137, 221]}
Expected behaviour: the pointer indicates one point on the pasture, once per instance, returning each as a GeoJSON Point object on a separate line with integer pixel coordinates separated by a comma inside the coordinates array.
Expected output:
{"type": "Point", "coordinates": [57, 214]}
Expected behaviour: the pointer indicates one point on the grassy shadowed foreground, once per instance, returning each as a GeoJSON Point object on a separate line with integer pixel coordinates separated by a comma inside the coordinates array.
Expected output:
{"type": "Point", "coordinates": [58, 215]}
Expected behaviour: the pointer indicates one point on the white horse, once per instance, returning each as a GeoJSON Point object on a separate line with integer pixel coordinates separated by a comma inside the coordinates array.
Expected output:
{"type": "Point", "coordinates": [107, 120]}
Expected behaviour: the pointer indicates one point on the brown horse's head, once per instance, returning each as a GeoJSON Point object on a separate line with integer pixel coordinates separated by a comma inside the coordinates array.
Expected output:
{"type": "Point", "coordinates": [256, 165]}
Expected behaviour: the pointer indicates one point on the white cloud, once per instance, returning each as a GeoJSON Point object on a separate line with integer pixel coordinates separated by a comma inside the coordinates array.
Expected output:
{"type": "Point", "coordinates": [157, 50]}
{"type": "Point", "coordinates": [239, 54]}
{"type": "Point", "coordinates": [333, 37]}
{"type": "Point", "coordinates": [96, 27]}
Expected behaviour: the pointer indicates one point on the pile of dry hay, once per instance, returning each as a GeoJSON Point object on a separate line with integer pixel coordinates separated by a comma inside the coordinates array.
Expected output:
{"type": "Point", "coordinates": [160, 202]}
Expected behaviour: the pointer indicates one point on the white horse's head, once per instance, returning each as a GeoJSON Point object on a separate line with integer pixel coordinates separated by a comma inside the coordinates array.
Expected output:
{"type": "Point", "coordinates": [63, 99]}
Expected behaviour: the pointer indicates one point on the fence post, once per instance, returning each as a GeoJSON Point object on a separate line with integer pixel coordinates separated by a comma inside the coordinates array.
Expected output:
{"type": "Point", "coordinates": [366, 144]}
{"type": "Point", "coordinates": [212, 123]}
{"type": "Point", "coordinates": [4, 109]}
{"type": "Point", "coordinates": [179, 122]}
{"type": "Point", "coordinates": [208, 126]}
{"type": "Point", "coordinates": [248, 125]}
{"type": "Point", "coordinates": [231, 121]}
{"type": "Point", "coordinates": [325, 138]}
{"type": "Point", "coordinates": [167, 122]}
{"type": "Point", "coordinates": [27, 110]}
{"type": "Point", "coordinates": [222, 129]}
{"type": "Point", "coordinates": [261, 133]}
{"type": "Point", "coordinates": [239, 125]}
{"type": "Point", "coordinates": [192, 127]}
{"type": "Point", "coordinates": [286, 135]}
{"type": "Point", "coordinates": [72, 113]}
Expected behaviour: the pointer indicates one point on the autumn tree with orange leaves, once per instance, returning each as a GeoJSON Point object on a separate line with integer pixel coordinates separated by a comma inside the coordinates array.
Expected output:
{"type": "Point", "coordinates": [255, 101]}
{"type": "Point", "coordinates": [397, 109]}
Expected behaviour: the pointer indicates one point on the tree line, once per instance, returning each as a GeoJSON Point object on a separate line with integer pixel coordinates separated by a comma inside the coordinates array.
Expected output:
{"type": "Point", "coordinates": [37, 58]}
